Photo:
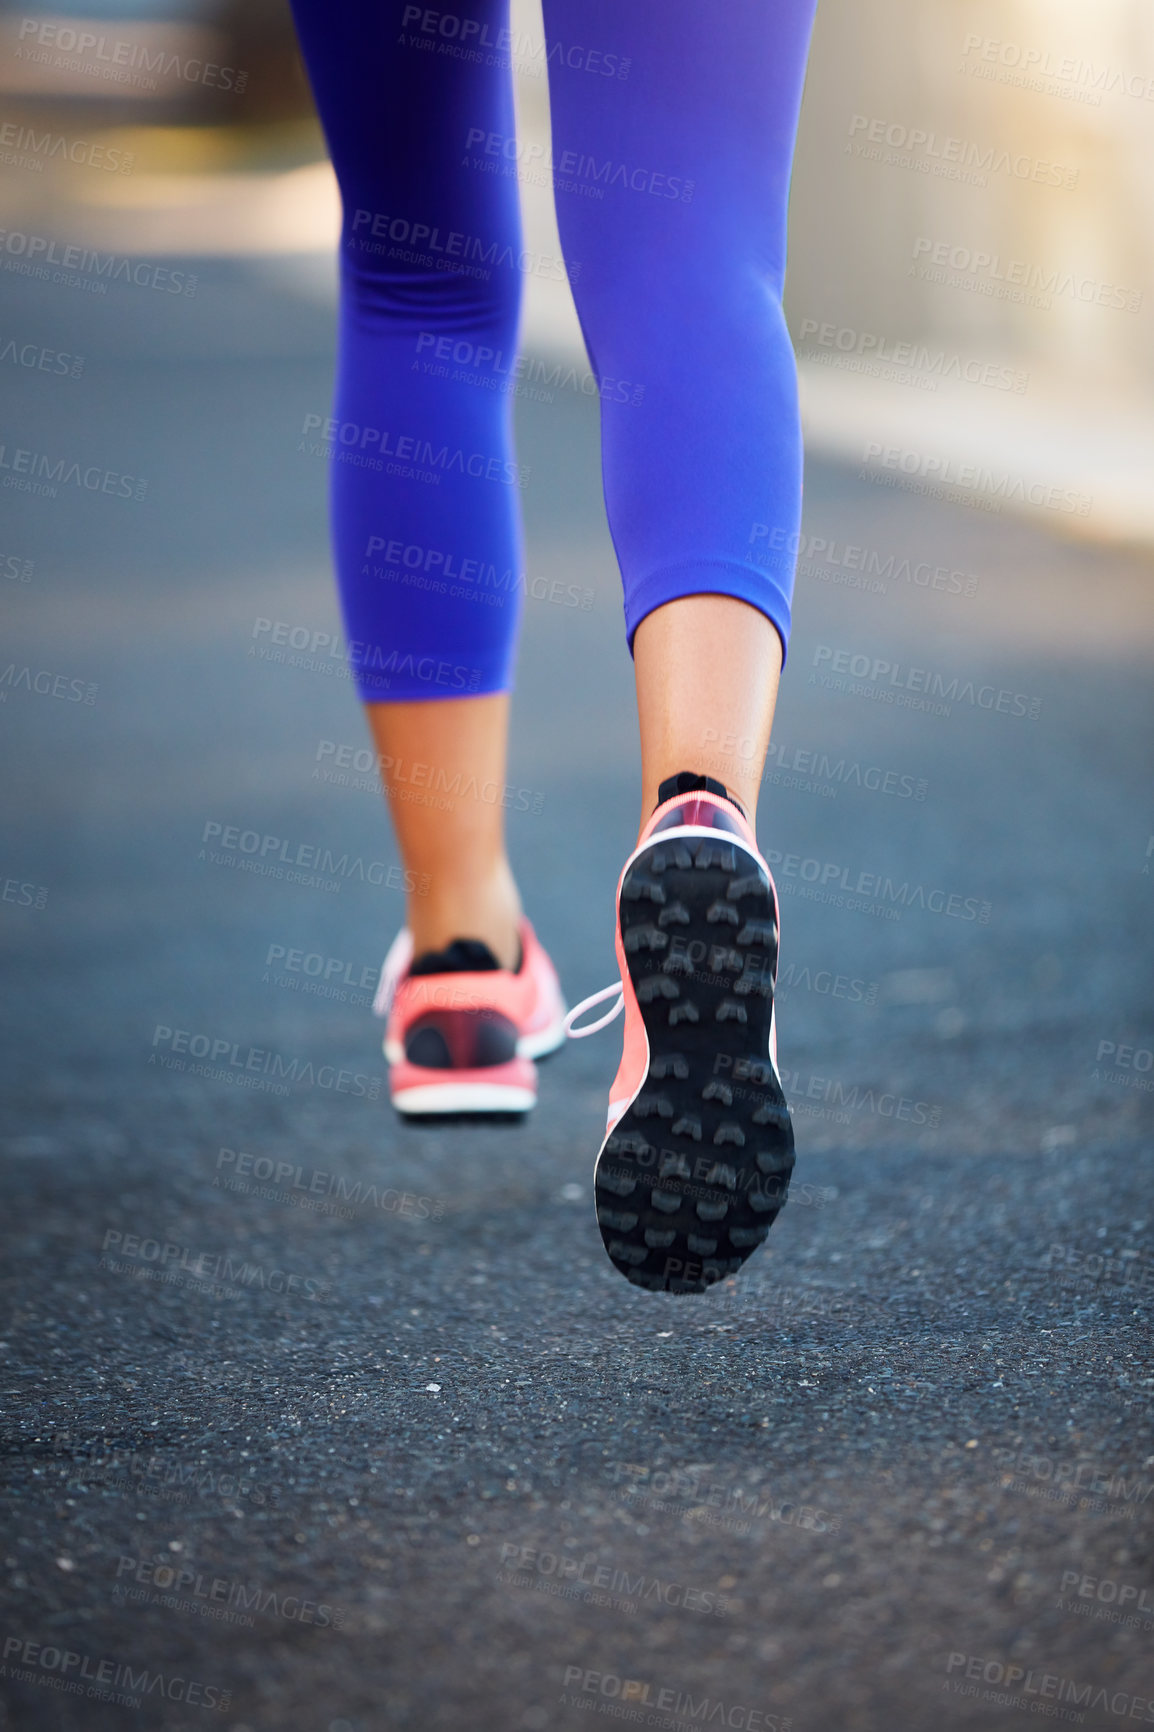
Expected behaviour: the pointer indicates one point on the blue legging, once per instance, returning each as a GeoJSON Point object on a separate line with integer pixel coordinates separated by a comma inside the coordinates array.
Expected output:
{"type": "Point", "coordinates": [673, 133]}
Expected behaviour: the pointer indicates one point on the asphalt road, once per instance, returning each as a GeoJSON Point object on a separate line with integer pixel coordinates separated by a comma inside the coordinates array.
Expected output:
{"type": "Point", "coordinates": [318, 1424]}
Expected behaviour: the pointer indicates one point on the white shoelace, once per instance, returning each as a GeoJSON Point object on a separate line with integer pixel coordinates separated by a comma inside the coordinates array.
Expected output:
{"type": "Point", "coordinates": [588, 1003]}
{"type": "Point", "coordinates": [400, 954]}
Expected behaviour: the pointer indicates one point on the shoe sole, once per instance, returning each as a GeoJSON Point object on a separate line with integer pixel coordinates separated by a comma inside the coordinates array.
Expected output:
{"type": "Point", "coordinates": [452, 1100]}
{"type": "Point", "coordinates": [695, 1171]}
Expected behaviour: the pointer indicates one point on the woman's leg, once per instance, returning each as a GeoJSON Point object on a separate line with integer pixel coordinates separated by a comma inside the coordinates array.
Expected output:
{"type": "Point", "coordinates": [425, 489]}
{"type": "Point", "coordinates": [458, 852]}
{"type": "Point", "coordinates": [673, 135]}
{"type": "Point", "coordinates": [673, 130]}
{"type": "Point", "coordinates": [707, 669]}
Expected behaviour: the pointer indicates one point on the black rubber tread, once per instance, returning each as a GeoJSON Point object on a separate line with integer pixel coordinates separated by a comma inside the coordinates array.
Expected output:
{"type": "Point", "coordinates": [439, 1121]}
{"type": "Point", "coordinates": [697, 1169]}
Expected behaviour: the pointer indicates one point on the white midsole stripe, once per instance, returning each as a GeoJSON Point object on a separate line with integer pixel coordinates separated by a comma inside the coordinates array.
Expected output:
{"type": "Point", "coordinates": [458, 1097]}
{"type": "Point", "coordinates": [546, 1039]}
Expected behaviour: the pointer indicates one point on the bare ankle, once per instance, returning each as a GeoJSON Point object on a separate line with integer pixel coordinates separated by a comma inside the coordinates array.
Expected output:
{"type": "Point", "coordinates": [485, 907]}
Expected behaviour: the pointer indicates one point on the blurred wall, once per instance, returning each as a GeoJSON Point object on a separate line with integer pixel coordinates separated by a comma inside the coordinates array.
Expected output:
{"type": "Point", "coordinates": [1065, 90]}
{"type": "Point", "coordinates": [975, 172]}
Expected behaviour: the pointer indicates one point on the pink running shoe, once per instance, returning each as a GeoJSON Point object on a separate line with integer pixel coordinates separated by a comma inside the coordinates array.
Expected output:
{"type": "Point", "coordinates": [462, 1032]}
{"type": "Point", "coordinates": [698, 1149]}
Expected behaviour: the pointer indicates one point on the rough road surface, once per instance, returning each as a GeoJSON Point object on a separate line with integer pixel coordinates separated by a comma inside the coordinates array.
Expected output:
{"type": "Point", "coordinates": [315, 1423]}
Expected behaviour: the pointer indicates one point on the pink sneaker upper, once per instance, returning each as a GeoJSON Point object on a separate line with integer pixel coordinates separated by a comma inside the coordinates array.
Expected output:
{"type": "Point", "coordinates": [491, 1017]}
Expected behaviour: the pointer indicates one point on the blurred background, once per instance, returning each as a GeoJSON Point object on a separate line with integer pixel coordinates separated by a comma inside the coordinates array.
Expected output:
{"type": "Point", "coordinates": [974, 192]}
{"type": "Point", "coordinates": [951, 1318]}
